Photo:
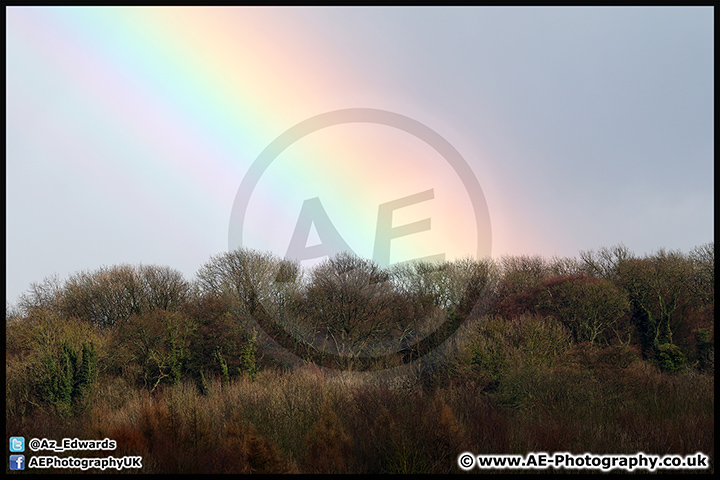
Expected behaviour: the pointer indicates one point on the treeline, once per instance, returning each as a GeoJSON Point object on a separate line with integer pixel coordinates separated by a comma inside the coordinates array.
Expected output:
{"type": "Point", "coordinates": [487, 350]}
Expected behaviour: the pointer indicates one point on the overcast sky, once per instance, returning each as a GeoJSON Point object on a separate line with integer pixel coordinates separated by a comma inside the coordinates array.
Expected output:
{"type": "Point", "coordinates": [129, 131]}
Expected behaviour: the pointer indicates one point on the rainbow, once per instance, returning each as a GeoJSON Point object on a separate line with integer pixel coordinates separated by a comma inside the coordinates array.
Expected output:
{"type": "Point", "coordinates": [200, 92]}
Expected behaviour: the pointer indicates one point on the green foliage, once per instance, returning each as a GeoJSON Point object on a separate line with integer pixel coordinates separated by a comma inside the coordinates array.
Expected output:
{"type": "Point", "coordinates": [249, 357]}
{"type": "Point", "coordinates": [87, 372]}
{"type": "Point", "coordinates": [660, 291]}
{"type": "Point", "coordinates": [154, 348]}
{"type": "Point", "coordinates": [68, 377]}
{"type": "Point", "coordinates": [224, 373]}
{"type": "Point", "coordinates": [670, 358]}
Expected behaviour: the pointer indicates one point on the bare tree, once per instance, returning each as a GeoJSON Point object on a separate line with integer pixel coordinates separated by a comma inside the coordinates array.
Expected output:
{"type": "Point", "coordinates": [605, 262]}
{"type": "Point", "coordinates": [109, 294]}
{"type": "Point", "coordinates": [350, 310]}
{"type": "Point", "coordinates": [703, 260]}
{"type": "Point", "coordinates": [660, 290]}
{"type": "Point", "coordinates": [45, 294]}
{"type": "Point", "coordinates": [590, 307]}
{"type": "Point", "coordinates": [244, 274]}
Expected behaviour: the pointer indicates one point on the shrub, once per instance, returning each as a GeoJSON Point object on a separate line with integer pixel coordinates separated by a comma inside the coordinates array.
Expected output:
{"type": "Point", "coordinates": [501, 345]}
{"type": "Point", "coordinates": [670, 358]}
{"type": "Point", "coordinates": [328, 444]}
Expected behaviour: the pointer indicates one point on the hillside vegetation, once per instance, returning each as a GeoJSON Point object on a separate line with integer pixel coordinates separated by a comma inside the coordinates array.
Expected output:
{"type": "Point", "coordinates": [258, 366]}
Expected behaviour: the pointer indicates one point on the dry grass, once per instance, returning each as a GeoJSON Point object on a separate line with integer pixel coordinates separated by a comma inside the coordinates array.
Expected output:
{"type": "Point", "coordinates": [311, 420]}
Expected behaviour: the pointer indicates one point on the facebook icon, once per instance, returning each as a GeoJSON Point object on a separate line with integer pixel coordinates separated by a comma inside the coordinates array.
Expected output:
{"type": "Point", "coordinates": [17, 462]}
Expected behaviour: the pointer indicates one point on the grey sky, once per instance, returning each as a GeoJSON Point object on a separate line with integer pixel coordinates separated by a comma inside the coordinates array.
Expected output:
{"type": "Point", "coordinates": [586, 127]}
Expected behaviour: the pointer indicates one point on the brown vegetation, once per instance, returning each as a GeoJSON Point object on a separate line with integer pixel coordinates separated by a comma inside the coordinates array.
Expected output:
{"type": "Point", "coordinates": [254, 368]}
